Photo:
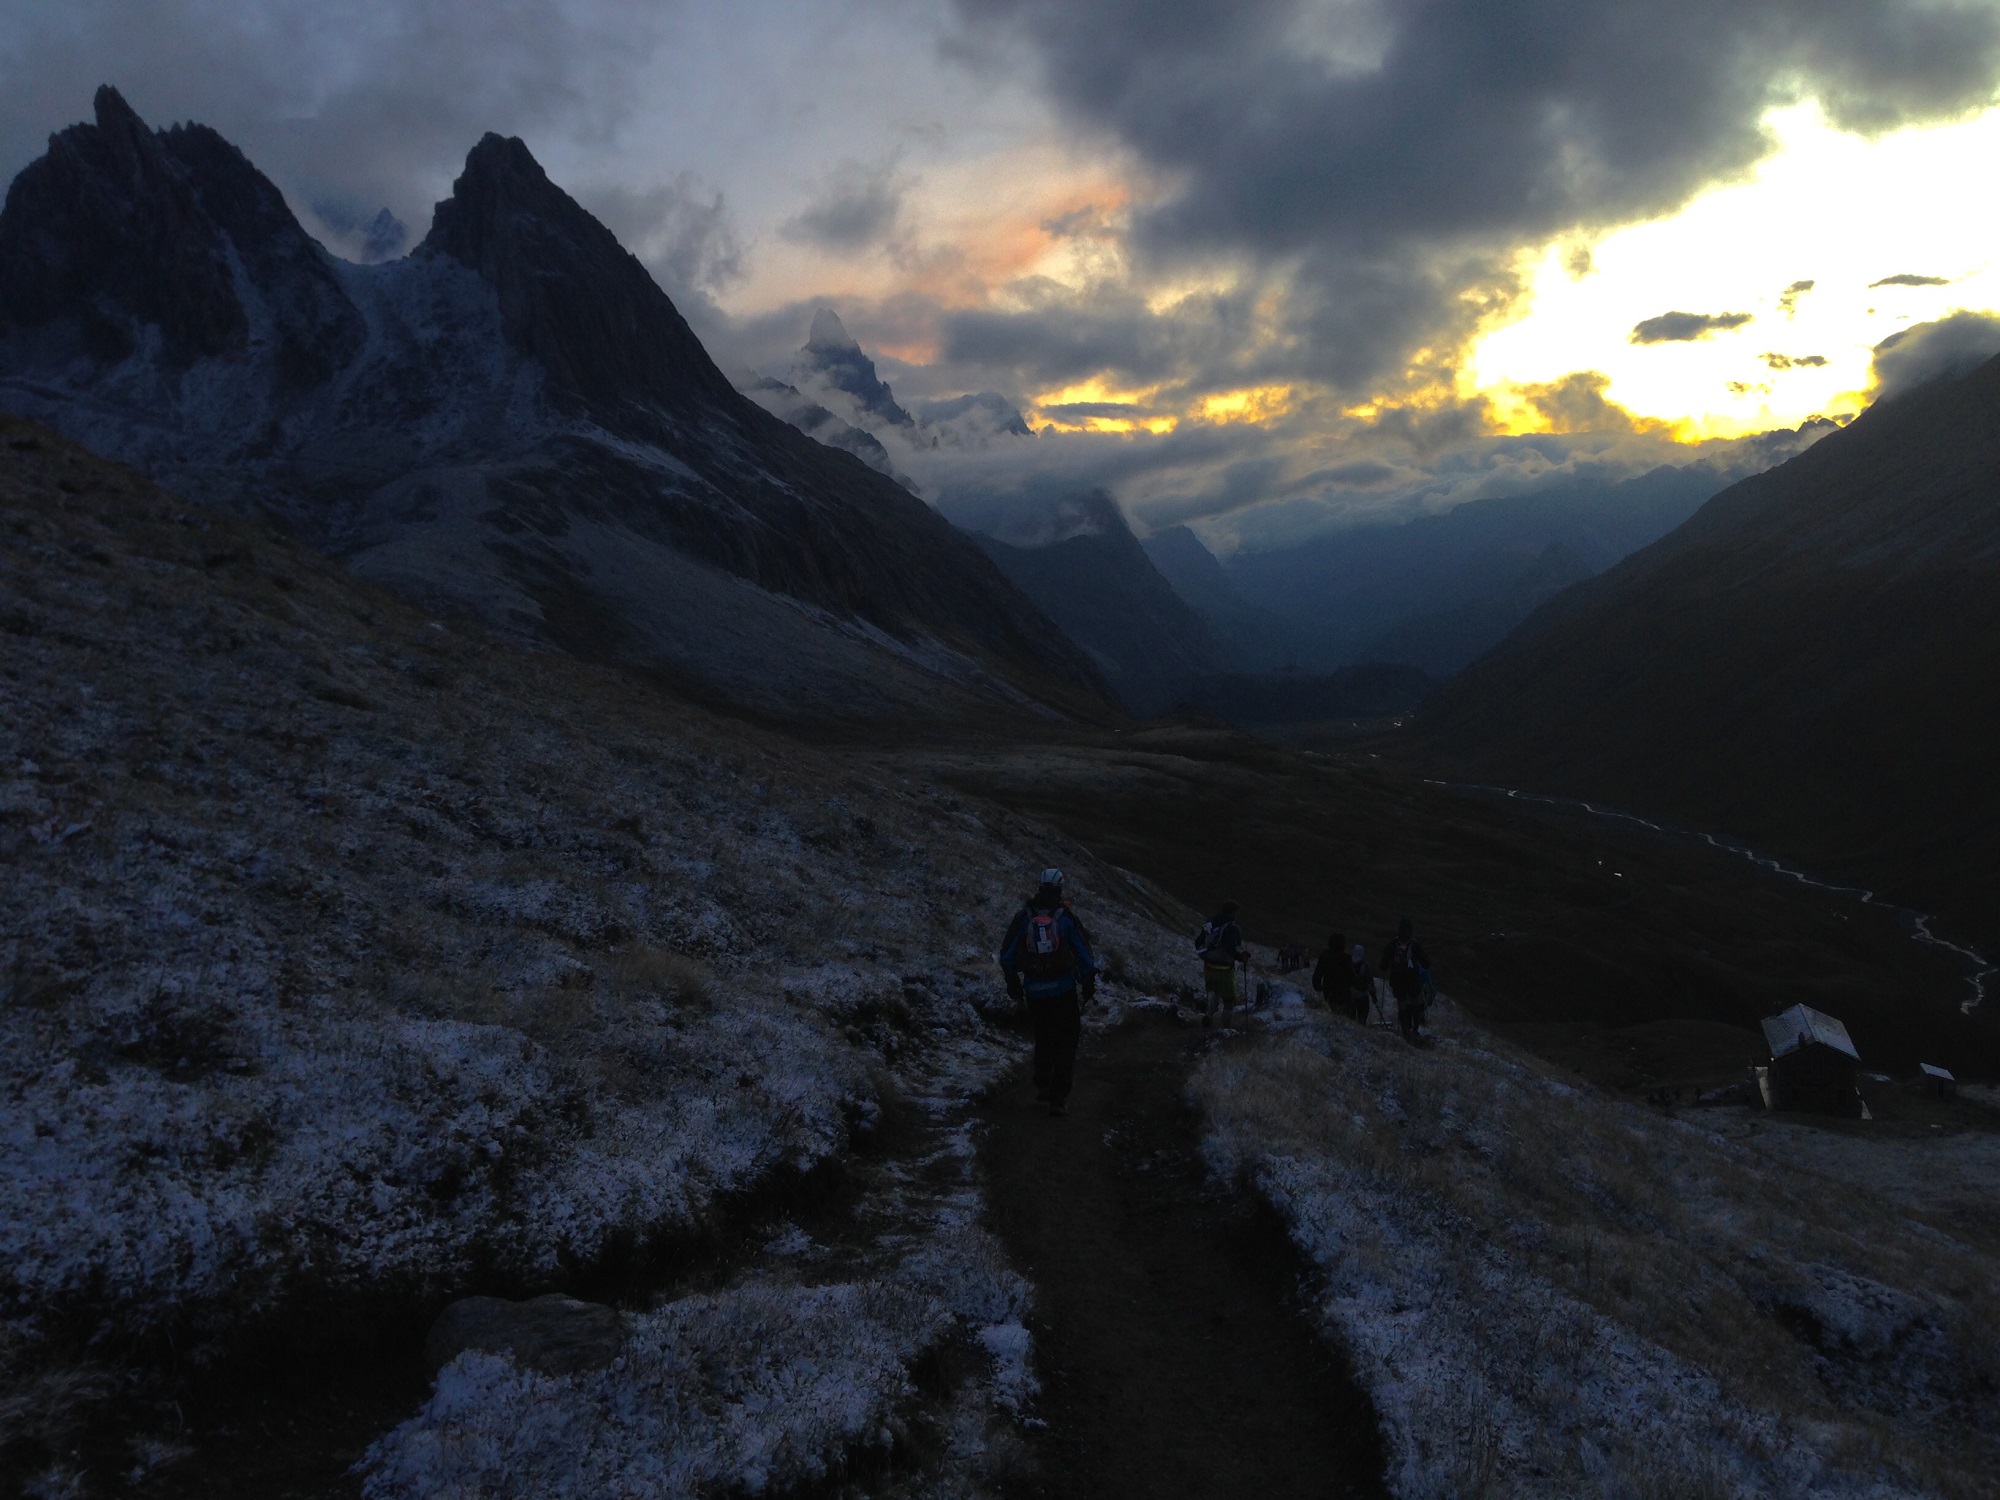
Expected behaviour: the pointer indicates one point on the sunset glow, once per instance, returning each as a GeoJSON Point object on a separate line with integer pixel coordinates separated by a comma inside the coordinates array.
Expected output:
{"type": "Point", "coordinates": [1800, 247]}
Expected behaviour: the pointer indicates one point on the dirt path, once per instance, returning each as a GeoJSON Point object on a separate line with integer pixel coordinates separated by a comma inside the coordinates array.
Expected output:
{"type": "Point", "coordinates": [1173, 1357]}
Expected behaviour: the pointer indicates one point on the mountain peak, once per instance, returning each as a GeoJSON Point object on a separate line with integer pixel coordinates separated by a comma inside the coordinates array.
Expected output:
{"type": "Point", "coordinates": [119, 123]}
{"type": "Point", "coordinates": [573, 298]}
{"type": "Point", "coordinates": [828, 333]}
{"type": "Point", "coordinates": [831, 352]}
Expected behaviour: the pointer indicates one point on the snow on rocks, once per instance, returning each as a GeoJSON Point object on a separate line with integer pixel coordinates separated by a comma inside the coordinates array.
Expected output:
{"type": "Point", "coordinates": [1549, 1293]}
{"type": "Point", "coordinates": [749, 1390]}
{"type": "Point", "coordinates": [385, 963]}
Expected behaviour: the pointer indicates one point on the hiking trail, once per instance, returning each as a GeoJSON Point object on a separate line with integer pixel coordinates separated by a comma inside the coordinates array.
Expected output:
{"type": "Point", "coordinates": [1172, 1352]}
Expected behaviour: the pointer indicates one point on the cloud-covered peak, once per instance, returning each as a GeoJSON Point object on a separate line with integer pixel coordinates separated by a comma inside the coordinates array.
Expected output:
{"type": "Point", "coordinates": [829, 335]}
{"type": "Point", "coordinates": [1950, 346]}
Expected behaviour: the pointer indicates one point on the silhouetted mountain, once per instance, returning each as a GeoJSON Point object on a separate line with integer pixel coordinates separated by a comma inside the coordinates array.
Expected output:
{"type": "Point", "coordinates": [982, 410]}
{"type": "Point", "coordinates": [1812, 662]}
{"type": "Point", "coordinates": [1099, 585]}
{"type": "Point", "coordinates": [1452, 580]}
{"type": "Point", "coordinates": [1254, 640]}
{"type": "Point", "coordinates": [512, 419]}
{"type": "Point", "coordinates": [1261, 700]}
{"type": "Point", "coordinates": [1447, 640]}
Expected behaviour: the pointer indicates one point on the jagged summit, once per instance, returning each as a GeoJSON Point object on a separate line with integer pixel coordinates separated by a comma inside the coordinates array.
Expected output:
{"type": "Point", "coordinates": [122, 237]}
{"type": "Point", "coordinates": [831, 353]}
{"type": "Point", "coordinates": [513, 419]}
{"type": "Point", "coordinates": [571, 296]}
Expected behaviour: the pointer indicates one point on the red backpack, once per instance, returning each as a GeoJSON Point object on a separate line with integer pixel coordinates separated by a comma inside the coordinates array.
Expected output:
{"type": "Point", "coordinates": [1045, 952]}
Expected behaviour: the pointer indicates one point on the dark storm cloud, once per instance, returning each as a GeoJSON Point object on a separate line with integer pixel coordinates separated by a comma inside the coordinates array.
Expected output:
{"type": "Point", "coordinates": [1684, 327]}
{"type": "Point", "coordinates": [1906, 278]}
{"type": "Point", "coordinates": [1384, 159]}
{"type": "Point", "coordinates": [370, 103]}
{"type": "Point", "coordinates": [1788, 299]}
{"type": "Point", "coordinates": [858, 208]}
{"type": "Point", "coordinates": [1793, 361]}
{"type": "Point", "coordinates": [1362, 474]}
{"type": "Point", "coordinates": [1929, 351]}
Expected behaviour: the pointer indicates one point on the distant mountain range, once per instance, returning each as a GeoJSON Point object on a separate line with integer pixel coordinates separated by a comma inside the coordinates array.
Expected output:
{"type": "Point", "coordinates": [1810, 663]}
{"type": "Point", "coordinates": [1439, 591]}
{"type": "Point", "coordinates": [834, 393]}
{"type": "Point", "coordinates": [1098, 584]}
{"type": "Point", "coordinates": [513, 420]}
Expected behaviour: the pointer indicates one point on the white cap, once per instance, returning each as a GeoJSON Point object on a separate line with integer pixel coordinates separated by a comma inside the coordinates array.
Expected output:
{"type": "Point", "coordinates": [1052, 877]}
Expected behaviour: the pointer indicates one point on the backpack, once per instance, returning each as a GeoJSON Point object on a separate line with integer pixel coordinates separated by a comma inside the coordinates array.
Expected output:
{"type": "Point", "coordinates": [1045, 952]}
{"type": "Point", "coordinates": [1210, 935]}
{"type": "Point", "coordinates": [1405, 978]}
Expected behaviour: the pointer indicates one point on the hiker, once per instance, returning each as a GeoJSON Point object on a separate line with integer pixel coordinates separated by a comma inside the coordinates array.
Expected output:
{"type": "Point", "coordinates": [1046, 958]}
{"type": "Point", "coordinates": [1329, 975]}
{"type": "Point", "coordinates": [1408, 968]}
{"type": "Point", "coordinates": [1220, 944]}
{"type": "Point", "coordinates": [1360, 984]}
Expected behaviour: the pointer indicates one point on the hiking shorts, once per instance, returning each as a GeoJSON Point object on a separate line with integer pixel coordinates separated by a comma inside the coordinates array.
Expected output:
{"type": "Point", "coordinates": [1221, 982]}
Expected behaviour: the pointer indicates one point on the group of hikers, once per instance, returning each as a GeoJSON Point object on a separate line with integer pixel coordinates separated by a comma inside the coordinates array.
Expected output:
{"type": "Point", "coordinates": [1049, 967]}
{"type": "Point", "coordinates": [1342, 974]}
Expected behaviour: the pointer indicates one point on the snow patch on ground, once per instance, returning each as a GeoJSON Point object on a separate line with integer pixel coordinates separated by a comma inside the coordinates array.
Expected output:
{"type": "Point", "coordinates": [1549, 1293]}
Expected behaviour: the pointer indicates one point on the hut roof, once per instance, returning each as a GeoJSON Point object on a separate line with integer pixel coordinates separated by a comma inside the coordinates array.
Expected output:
{"type": "Point", "coordinates": [1802, 1026]}
{"type": "Point", "coordinates": [1932, 1070]}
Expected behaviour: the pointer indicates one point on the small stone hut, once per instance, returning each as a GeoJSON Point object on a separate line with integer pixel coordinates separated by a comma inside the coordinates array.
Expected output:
{"type": "Point", "coordinates": [1813, 1063]}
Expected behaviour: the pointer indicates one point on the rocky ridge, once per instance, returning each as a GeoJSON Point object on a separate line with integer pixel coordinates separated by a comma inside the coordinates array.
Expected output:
{"type": "Point", "coordinates": [512, 420]}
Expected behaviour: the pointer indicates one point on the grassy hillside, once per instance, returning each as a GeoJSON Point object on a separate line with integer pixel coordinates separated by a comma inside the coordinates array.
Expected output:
{"type": "Point", "coordinates": [1810, 664]}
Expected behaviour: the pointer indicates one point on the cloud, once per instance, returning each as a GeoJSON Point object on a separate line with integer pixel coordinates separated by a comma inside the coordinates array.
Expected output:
{"type": "Point", "coordinates": [372, 102]}
{"type": "Point", "coordinates": [1793, 361]}
{"type": "Point", "coordinates": [685, 234]}
{"type": "Point", "coordinates": [1577, 403]}
{"type": "Point", "coordinates": [1788, 299]}
{"type": "Point", "coordinates": [1370, 180]}
{"type": "Point", "coordinates": [1906, 278]}
{"type": "Point", "coordinates": [1361, 474]}
{"type": "Point", "coordinates": [1931, 351]}
{"type": "Point", "coordinates": [858, 208]}
{"type": "Point", "coordinates": [1684, 327]}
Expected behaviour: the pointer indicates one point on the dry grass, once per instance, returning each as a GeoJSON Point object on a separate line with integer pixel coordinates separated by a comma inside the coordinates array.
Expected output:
{"type": "Point", "coordinates": [1627, 1298]}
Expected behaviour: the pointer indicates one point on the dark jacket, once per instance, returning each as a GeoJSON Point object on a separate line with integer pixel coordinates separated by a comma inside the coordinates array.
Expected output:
{"type": "Point", "coordinates": [1076, 940]}
{"type": "Point", "coordinates": [1225, 938]}
{"type": "Point", "coordinates": [1405, 980]}
{"type": "Point", "coordinates": [1330, 973]}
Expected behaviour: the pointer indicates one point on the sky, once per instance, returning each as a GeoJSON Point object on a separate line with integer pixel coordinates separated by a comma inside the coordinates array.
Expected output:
{"type": "Point", "coordinates": [1267, 266]}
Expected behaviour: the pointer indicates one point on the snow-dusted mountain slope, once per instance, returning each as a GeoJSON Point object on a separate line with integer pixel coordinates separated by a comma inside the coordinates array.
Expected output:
{"type": "Point", "coordinates": [513, 419]}
{"type": "Point", "coordinates": [354, 961]}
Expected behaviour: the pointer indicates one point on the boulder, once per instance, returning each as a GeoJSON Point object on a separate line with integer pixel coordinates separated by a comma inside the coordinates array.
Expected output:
{"type": "Point", "coordinates": [555, 1334]}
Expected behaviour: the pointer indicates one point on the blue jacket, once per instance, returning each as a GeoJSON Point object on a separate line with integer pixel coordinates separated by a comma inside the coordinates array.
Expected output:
{"type": "Point", "coordinates": [1074, 936]}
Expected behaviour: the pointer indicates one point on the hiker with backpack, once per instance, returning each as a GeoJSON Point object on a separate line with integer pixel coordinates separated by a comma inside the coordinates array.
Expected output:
{"type": "Point", "coordinates": [1220, 944]}
{"type": "Point", "coordinates": [1408, 968]}
{"type": "Point", "coordinates": [1329, 974]}
{"type": "Point", "coordinates": [1046, 958]}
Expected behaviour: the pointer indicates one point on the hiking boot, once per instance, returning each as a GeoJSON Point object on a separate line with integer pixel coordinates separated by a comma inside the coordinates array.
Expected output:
{"type": "Point", "coordinates": [1057, 1108]}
